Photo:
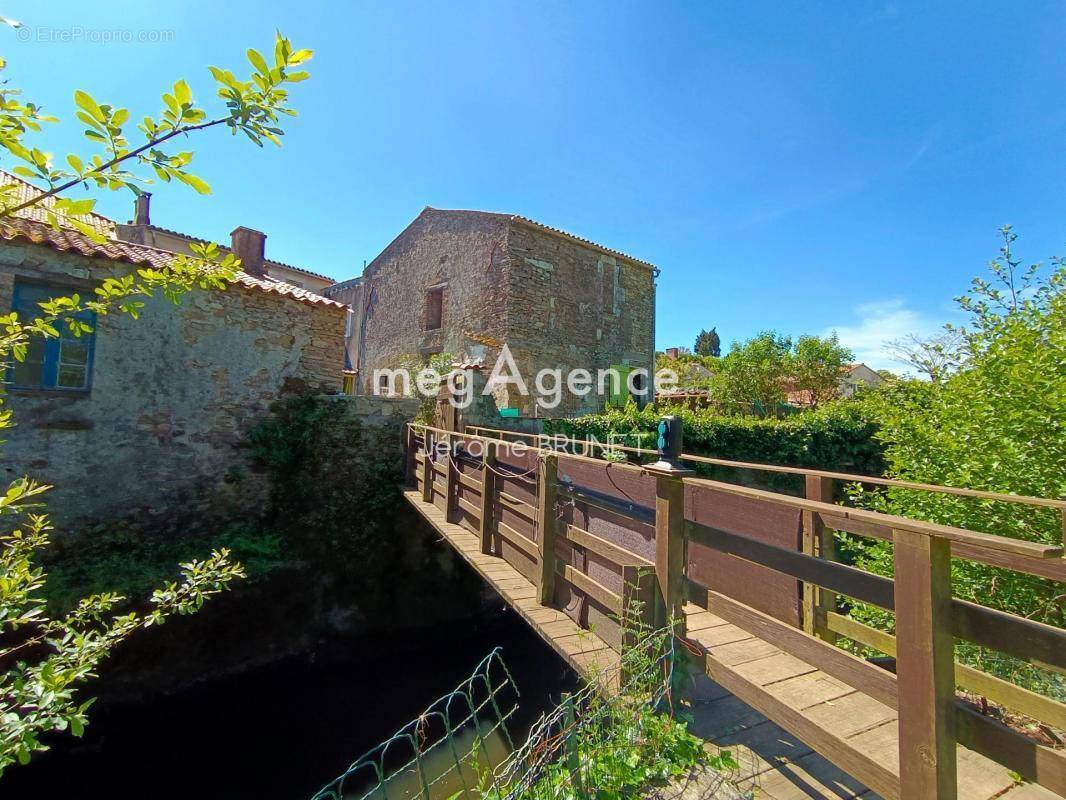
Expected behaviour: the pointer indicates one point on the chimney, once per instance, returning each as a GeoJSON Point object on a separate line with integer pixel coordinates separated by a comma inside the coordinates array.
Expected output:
{"type": "Point", "coordinates": [249, 246]}
{"type": "Point", "coordinates": [673, 352]}
{"type": "Point", "coordinates": [141, 206]}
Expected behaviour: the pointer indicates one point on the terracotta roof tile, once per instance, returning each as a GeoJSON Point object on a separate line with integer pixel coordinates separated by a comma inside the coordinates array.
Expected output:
{"type": "Point", "coordinates": [26, 191]}
{"type": "Point", "coordinates": [38, 213]}
{"type": "Point", "coordinates": [67, 240]}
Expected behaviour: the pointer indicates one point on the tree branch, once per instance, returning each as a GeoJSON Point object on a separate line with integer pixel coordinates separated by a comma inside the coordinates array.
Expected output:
{"type": "Point", "coordinates": [7, 212]}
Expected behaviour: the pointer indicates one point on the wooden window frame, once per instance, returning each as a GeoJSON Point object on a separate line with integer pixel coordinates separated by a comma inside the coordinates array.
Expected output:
{"type": "Point", "coordinates": [48, 379]}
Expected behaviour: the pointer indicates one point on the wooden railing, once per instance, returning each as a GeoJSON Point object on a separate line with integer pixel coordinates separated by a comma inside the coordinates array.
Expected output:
{"type": "Point", "coordinates": [531, 531]}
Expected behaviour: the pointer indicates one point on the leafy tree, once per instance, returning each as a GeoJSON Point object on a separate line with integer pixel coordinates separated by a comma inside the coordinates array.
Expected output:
{"type": "Point", "coordinates": [708, 343]}
{"type": "Point", "coordinates": [753, 372]}
{"type": "Point", "coordinates": [44, 660]}
{"type": "Point", "coordinates": [818, 365]}
{"type": "Point", "coordinates": [997, 424]}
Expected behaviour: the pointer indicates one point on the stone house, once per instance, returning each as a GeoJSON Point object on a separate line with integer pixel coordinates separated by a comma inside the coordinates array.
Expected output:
{"type": "Point", "coordinates": [859, 376]}
{"type": "Point", "coordinates": [140, 230]}
{"type": "Point", "coordinates": [467, 283]}
{"type": "Point", "coordinates": [146, 418]}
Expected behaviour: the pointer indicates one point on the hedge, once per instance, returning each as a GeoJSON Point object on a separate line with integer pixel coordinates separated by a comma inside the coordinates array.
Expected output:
{"type": "Point", "coordinates": [835, 437]}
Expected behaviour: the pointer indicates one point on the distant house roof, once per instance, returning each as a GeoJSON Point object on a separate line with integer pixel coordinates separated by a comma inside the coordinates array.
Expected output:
{"type": "Point", "coordinates": [268, 261]}
{"type": "Point", "coordinates": [69, 240]}
{"type": "Point", "coordinates": [540, 226]}
{"type": "Point", "coordinates": [30, 224]}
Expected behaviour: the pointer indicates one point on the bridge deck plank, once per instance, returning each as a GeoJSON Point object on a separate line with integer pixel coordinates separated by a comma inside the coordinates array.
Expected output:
{"type": "Point", "coordinates": [856, 720]}
{"type": "Point", "coordinates": [582, 649]}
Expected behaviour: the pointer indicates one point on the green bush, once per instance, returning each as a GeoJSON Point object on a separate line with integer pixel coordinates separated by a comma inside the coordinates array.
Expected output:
{"type": "Point", "coordinates": [838, 436]}
{"type": "Point", "coordinates": [126, 561]}
{"type": "Point", "coordinates": [334, 481]}
{"type": "Point", "coordinates": [998, 424]}
{"type": "Point", "coordinates": [336, 503]}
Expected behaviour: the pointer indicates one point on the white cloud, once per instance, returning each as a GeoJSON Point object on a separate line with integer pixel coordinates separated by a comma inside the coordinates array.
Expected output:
{"type": "Point", "coordinates": [880, 322]}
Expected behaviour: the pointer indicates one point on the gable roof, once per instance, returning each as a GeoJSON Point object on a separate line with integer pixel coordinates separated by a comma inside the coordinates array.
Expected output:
{"type": "Point", "coordinates": [518, 219]}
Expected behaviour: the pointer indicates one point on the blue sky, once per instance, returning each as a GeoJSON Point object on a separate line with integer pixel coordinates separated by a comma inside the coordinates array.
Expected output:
{"type": "Point", "coordinates": [803, 167]}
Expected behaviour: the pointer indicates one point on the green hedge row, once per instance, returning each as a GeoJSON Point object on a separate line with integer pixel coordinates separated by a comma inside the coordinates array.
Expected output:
{"type": "Point", "coordinates": [836, 437]}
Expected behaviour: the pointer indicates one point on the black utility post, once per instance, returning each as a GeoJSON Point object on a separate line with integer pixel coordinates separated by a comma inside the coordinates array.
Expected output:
{"type": "Point", "coordinates": [670, 525]}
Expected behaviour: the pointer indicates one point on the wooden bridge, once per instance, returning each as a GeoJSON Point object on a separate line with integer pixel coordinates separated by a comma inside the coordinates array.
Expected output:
{"type": "Point", "coordinates": [569, 540]}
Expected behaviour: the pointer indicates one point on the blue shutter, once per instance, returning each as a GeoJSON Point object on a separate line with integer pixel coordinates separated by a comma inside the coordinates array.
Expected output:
{"type": "Point", "coordinates": [63, 363]}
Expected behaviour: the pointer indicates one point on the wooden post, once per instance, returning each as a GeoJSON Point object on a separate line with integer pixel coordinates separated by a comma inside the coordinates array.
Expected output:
{"type": "Point", "coordinates": [427, 467]}
{"type": "Point", "coordinates": [925, 666]}
{"type": "Point", "coordinates": [670, 551]}
{"type": "Point", "coordinates": [547, 490]}
{"type": "Point", "coordinates": [451, 499]}
{"type": "Point", "coordinates": [486, 526]}
{"type": "Point", "coordinates": [670, 525]}
{"type": "Point", "coordinates": [409, 474]}
{"type": "Point", "coordinates": [818, 542]}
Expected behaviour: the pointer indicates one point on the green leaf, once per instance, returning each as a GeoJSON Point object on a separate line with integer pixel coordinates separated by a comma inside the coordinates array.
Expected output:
{"type": "Point", "coordinates": [199, 184]}
{"type": "Point", "coordinates": [172, 104]}
{"type": "Point", "coordinates": [257, 60]}
{"type": "Point", "coordinates": [79, 207]}
{"type": "Point", "coordinates": [183, 93]}
{"type": "Point", "coordinates": [86, 102]}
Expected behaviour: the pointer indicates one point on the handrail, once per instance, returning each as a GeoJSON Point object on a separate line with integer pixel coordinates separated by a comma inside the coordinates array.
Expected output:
{"type": "Point", "coordinates": [980, 494]}
{"type": "Point", "coordinates": [987, 541]}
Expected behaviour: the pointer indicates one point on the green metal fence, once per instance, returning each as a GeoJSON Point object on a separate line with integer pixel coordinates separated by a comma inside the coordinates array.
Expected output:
{"type": "Point", "coordinates": [441, 753]}
{"type": "Point", "coordinates": [461, 747]}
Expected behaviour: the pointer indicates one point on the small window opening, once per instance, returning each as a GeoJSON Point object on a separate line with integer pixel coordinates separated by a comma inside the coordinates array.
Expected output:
{"type": "Point", "coordinates": [434, 309]}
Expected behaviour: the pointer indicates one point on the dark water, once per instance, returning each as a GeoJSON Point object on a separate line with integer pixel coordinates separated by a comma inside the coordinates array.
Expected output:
{"type": "Point", "coordinates": [284, 730]}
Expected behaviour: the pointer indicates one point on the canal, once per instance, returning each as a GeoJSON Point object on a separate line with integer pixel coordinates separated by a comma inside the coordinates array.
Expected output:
{"type": "Point", "coordinates": [285, 730]}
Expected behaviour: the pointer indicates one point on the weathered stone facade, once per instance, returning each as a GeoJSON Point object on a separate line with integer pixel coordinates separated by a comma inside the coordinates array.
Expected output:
{"type": "Point", "coordinates": [159, 434]}
{"type": "Point", "coordinates": [555, 300]}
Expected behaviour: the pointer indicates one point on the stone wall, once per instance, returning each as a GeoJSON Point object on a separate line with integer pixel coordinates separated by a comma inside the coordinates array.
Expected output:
{"type": "Point", "coordinates": [556, 302]}
{"type": "Point", "coordinates": [159, 437]}
{"type": "Point", "coordinates": [572, 307]}
{"type": "Point", "coordinates": [465, 254]}
{"type": "Point", "coordinates": [350, 293]}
